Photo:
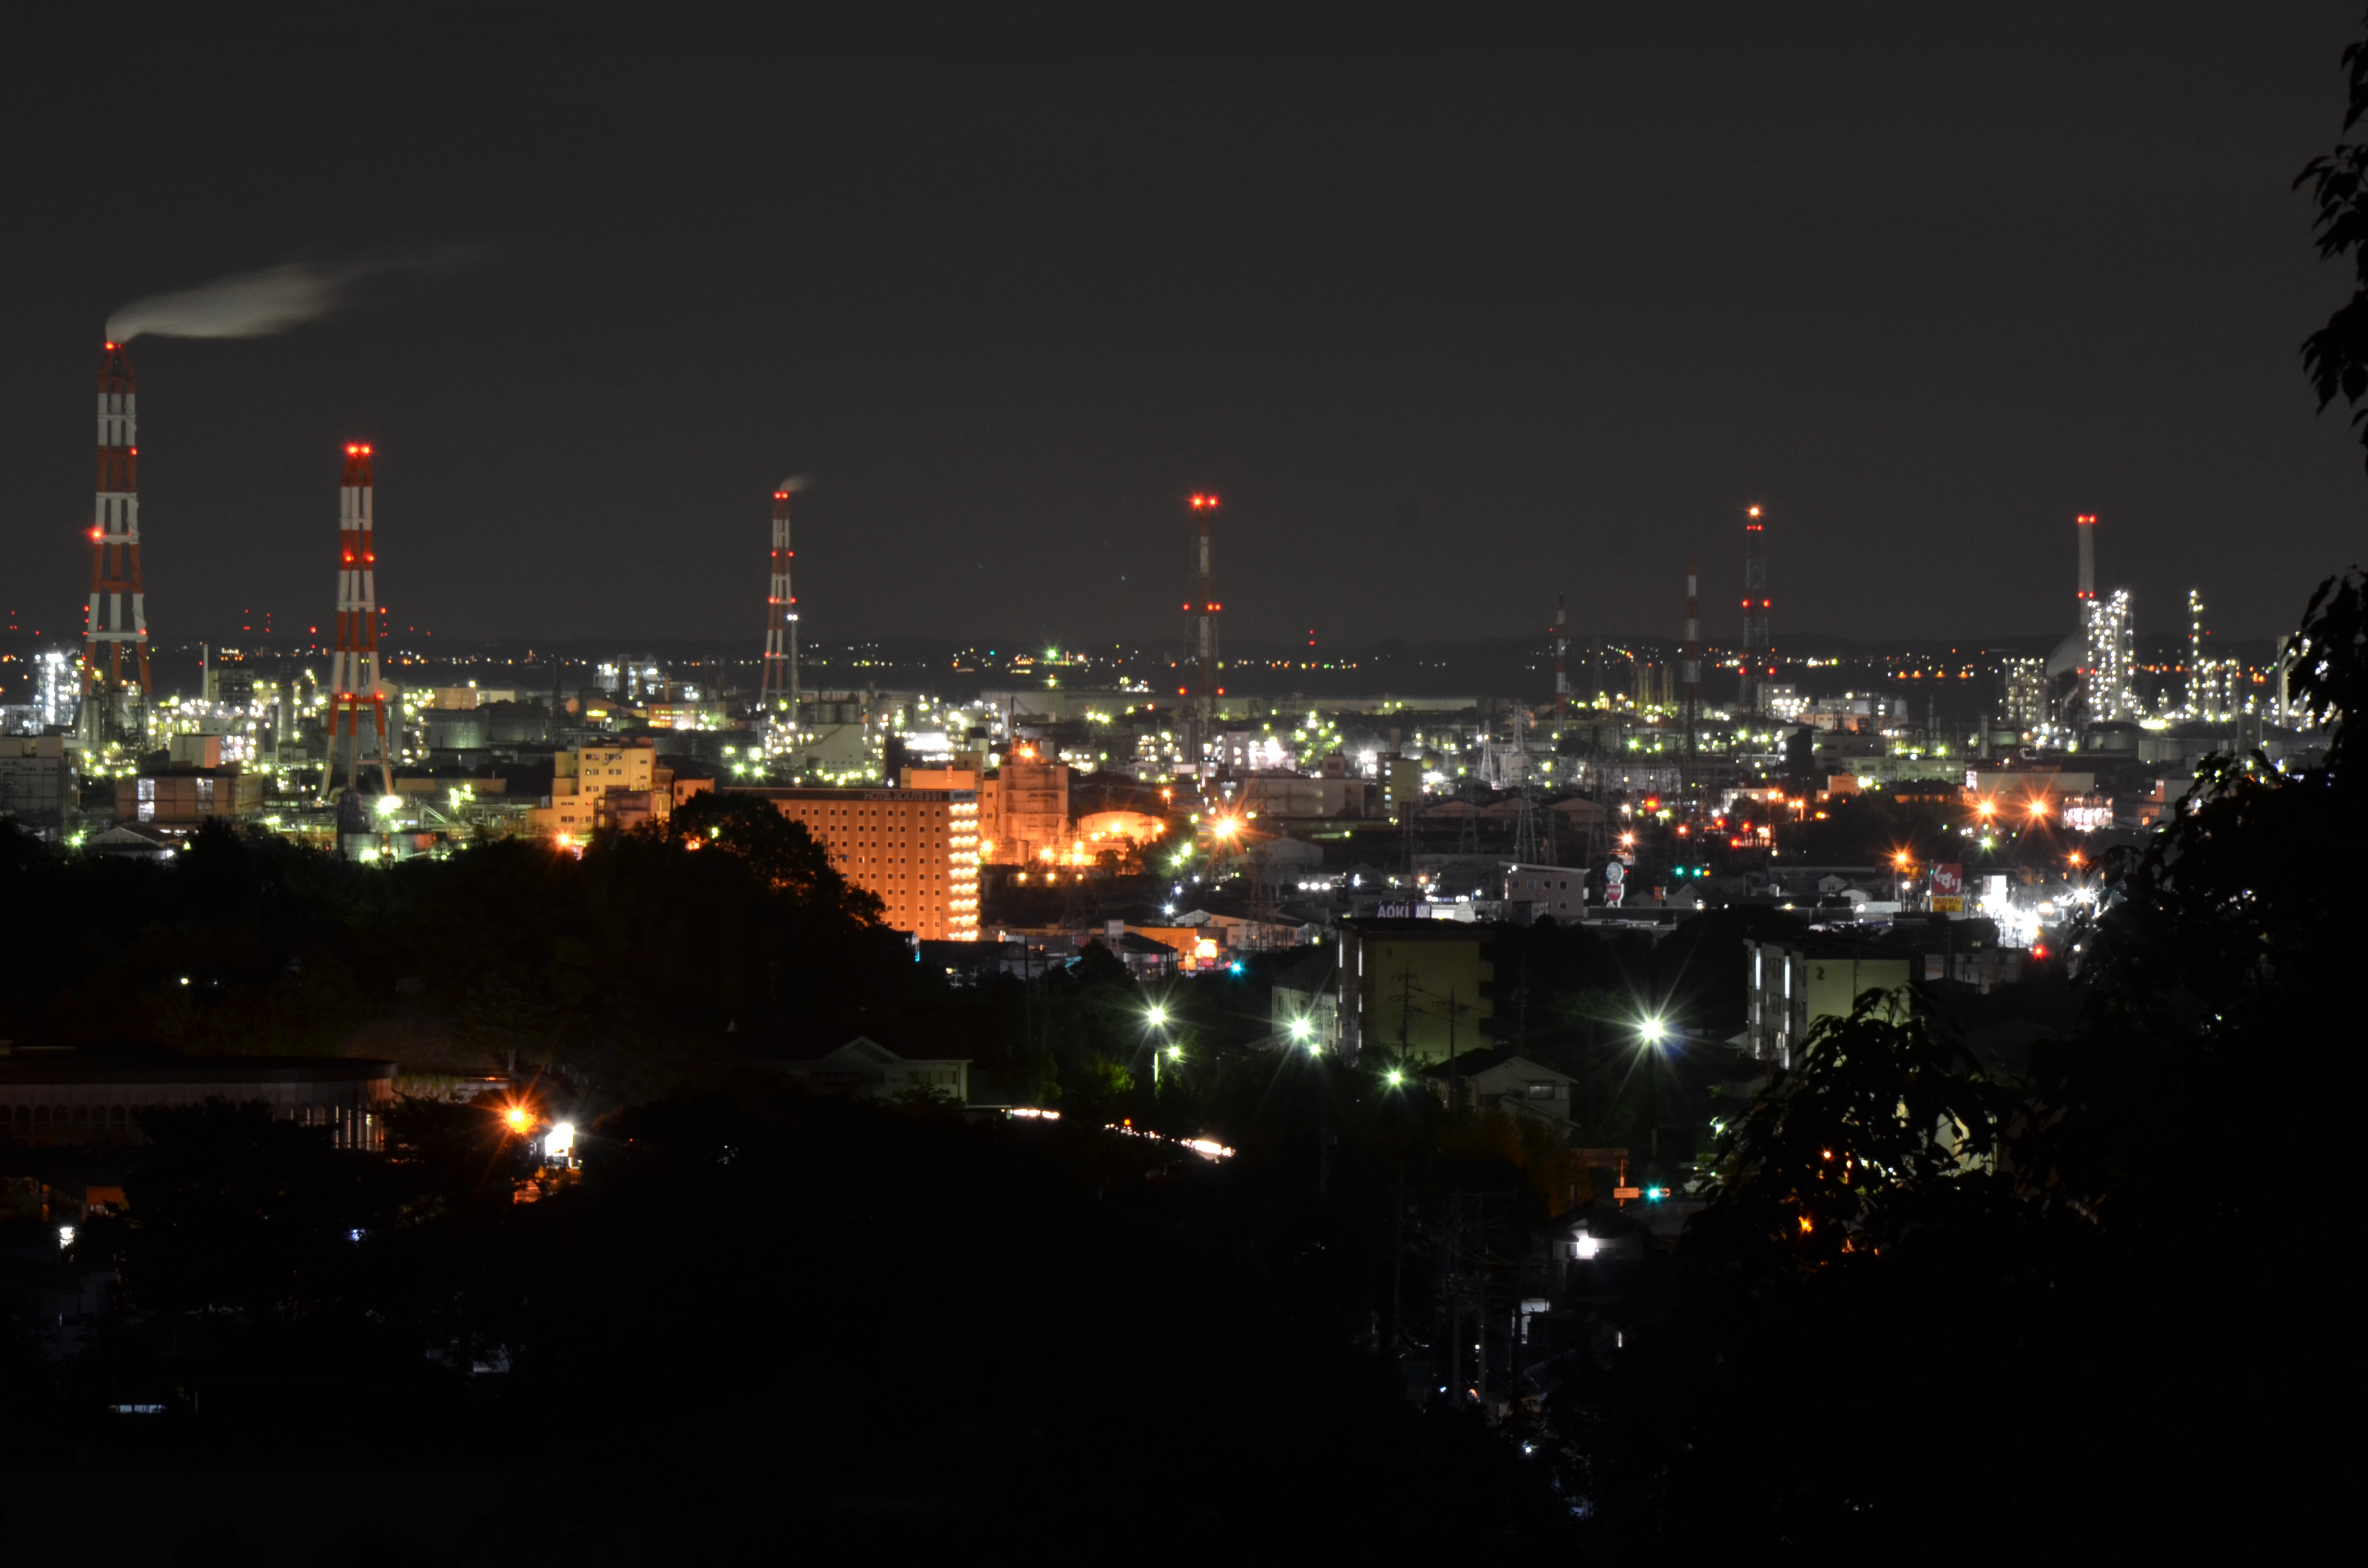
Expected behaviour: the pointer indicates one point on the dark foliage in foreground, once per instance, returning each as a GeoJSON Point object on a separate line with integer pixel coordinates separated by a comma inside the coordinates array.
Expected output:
{"type": "Point", "coordinates": [754, 1310]}
{"type": "Point", "coordinates": [2115, 1301]}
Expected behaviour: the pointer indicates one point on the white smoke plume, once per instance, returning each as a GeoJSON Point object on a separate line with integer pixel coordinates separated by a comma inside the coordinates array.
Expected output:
{"type": "Point", "coordinates": [260, 304]}
{"type": "Point", "coordinates": [795, 481]}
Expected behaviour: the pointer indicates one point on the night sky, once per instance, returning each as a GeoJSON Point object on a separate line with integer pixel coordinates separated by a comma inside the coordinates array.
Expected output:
{"type": "Point", "coordinates": [1454, 312]}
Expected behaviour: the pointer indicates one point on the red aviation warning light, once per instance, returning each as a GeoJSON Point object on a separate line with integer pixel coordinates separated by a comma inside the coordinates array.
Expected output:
{"type": "Point", "coordinates": [1204, 503]}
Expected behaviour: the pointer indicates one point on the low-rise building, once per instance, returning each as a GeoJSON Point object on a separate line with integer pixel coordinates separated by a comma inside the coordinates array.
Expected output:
{"type": "Point", "coordinates": [1794, 983]}
{"type": "Point", "coordinates": [596, 787]}
{"type": "Point", "coordinates": [181, 799]}
{"type": "Point", "coordinates": [1501, 1080]}
{"type": "Point", "coordinates": [1532, 892]}
{"type": "Point", "coordinates": [37, 783]}
{"type": "Point", "coordinates": [1303, 1007]}
{"type": "Point", "coordinates": [1420, 987]}
{"type": "Point", "coordinates": [864, 1069]}
{"type": "Point", "coordinates": [97, 1094]}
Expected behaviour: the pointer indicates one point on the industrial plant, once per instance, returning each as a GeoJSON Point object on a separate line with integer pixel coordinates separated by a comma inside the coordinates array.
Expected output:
{"type": "Point", "coordinates": [1268, 787]}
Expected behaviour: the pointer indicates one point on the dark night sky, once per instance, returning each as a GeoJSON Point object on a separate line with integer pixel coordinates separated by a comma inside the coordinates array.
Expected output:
{"type": "Point", "coordinates": [1456, 313]}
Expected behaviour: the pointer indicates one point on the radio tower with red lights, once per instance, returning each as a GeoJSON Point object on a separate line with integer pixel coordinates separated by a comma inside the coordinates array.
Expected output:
{"type": "Point", "coordinates": [779, 683]}
{"type": "Point", "coordinates": [1201, 636]}
{"type": "Point", "coordinates": [354, 686]}
{"type": "Point", "coordinates": [1759, 655]}
{"type": "Point", "coordinates": [115, 705]}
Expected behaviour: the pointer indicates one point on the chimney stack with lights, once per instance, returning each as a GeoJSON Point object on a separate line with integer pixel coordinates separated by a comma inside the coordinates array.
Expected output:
{"type": "Point", "coordinates": [1758, 653]}
{"type": "Point", "coordinates": [1200, 638]}
{"type": "Point", "coordinates": [778, 692]}
{"type": "Point", "coordinates": [2087, 524]}
{"type": "Point", "coordinates": [115, 706]}
{"type": "Point", "coordinates": [1562, 662]}
{"type": "Point", "coordinates": [354, 685]}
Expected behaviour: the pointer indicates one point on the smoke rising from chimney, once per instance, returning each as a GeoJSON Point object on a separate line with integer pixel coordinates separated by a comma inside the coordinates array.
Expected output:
{"type": "Point", "coordinates": [273, 300]}
{"type": "Point", "coordinates": [795, 481]}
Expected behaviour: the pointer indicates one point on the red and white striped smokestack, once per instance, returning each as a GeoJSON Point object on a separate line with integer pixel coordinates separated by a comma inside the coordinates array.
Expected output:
{"type": "Point", "coordinates": [780, 685]}
{"type": "Point", "coordinates": [354, 685]}
{"type": "Point", "coordinates": [115, 580]}
{"type": "Point", "coordinates": [2087, 524]}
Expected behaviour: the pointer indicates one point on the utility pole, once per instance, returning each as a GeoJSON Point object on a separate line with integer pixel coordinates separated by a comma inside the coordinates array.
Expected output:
{"type": "Point", "coordinates": [1480, 1313]}
{"type": "Point", "coordinates": [1407, 832]}
{"type": "Point", "coordinates": [1397, 1268]}
{"type": "Point", "coordinates": [1454, 1101]}
{"type": "Point", "coordinates": [1690, 678]}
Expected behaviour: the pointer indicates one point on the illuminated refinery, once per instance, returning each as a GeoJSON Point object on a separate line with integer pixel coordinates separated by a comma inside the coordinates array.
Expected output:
{"type": "Point", "coordinates": [1230, 923]}
{"type": "Point", "coordinates": [964, 793]}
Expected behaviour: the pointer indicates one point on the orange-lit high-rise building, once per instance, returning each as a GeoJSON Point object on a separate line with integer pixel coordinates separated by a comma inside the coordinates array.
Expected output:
{"type": "Point", "coordinates": [917, 848]}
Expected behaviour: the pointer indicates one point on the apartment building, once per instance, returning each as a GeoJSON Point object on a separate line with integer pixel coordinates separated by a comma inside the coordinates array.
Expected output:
{"type": "Point", "coordinates": [918, 849]}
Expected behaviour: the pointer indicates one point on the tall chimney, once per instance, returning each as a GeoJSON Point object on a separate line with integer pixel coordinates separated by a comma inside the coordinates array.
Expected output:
{"type": "Point", "coordinates": [779, 685]}
{"type": "Point", "coordinates": [1201, 634]}
{"type": "Point", "coordinates": [108, 705]}
{"type": "Point", "coordinates": [1759, 654]}
{"type": "Point", "coordinates": [1562, 659]}
{"type": "Point", "coordinates": [354, 685]}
